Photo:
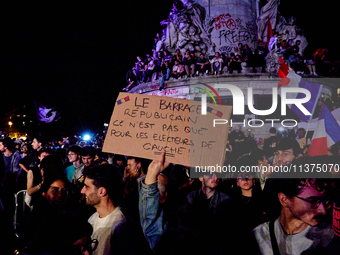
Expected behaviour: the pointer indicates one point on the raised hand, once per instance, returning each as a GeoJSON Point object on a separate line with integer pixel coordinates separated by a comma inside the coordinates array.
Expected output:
{"type": "Point", "coordinates": [155, 168]}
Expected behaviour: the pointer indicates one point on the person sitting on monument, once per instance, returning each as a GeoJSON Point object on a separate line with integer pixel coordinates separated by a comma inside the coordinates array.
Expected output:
{"type": "Point", "coordinates": [194, 59]}
{"type": "Point", "coordinates": [166, 56]}
{"type": "Point", "coordinates": [131, 79]}
{"type": "Point", "coordinates": [323, 63]}
{"type": "Point", "coordinates": [149, 71]}
{"type": "Point", "coordinates": [178, 56]}
{"type": "Point", "coordinates": [296, 47]}
{"type": "Point", "coordinates": [188, 63]}
{"type": "Point", "coordinates": [310, 63]}
{"type": "Point", "coordinates": [283, 46]}
{"type": "Point", "coordinates": [224, 60]}
{"type": "Point", "coordinates": [239, 49]}
{"type": "Point", "coordinates": [259, 57]}
{"type": "Point", "coordinates": [143, 70]}
{"type": "Point", "coordinates": [158, 61]}
{"type": "Point", "coordinates": [273, 42]}
{"type": "Point", "coordinates": [177, 70]}
{"type": "Point", "coordinates": [258, 60]}
{"type": "Point", "coordinates": [246, 53]}
{"type": "Point", "coordinates": [139, 67]}
{"type": "Point", "coordinates": [289, 49]}
{"type": "Point", "coordinates": [202, 64]}
{"type": "Point", "coordinates": [216, 64]}
{"type": "Point", "coordinates": [234, 63]}
{"type": "Point", "coordinates": [166, 74]}
{"type": "Point", "coordinates": [298, 65]}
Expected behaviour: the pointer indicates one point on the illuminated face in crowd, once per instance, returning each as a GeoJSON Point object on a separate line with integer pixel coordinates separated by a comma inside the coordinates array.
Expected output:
{"type": "Point", "coordinates": [2, 147]}
{"type": "Point", "coordinates": [87, 160]}
{"type": "Point", "coordinates": [91, 193]}
{"type": "Point", "coordinates": [119, 162]}
{"type": "Point", "coordinates": [56, 193]}
{"type": "Point", "coordinates": [72, 156]}
{"type": "Point", "coordinates": [35, 144]}
{"type": "Point", "coordinates": [245, 182]}
{"type": "Point", "coordinates": [308, 206]}
{"type": "Point", "coordinates": [24, 149]}
{"type": "Point", "coordinates": [210, 181]}
{"type": "Point", "coordinates": [284, 157]}
{"type": "Point", "coordinates": [133, 168]}
{"type": "Point", "coordinates": [301, 134]}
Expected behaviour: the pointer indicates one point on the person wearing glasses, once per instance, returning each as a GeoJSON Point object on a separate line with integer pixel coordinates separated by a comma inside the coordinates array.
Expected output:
{"type": "Point", "coordinates": [300, 228]}
{"type": "Point", "coordinates": [73, 155]}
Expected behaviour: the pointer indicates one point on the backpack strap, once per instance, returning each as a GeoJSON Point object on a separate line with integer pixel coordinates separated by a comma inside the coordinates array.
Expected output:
{"type": "Point", "coordinates": [275, 246]}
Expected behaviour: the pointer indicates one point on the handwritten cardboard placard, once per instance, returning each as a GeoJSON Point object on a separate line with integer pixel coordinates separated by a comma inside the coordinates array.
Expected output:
{"type": "Point", "coordinates": [145, 126]}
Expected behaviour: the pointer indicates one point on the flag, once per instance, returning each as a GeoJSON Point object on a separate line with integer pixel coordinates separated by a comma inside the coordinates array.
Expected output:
{"type": "Point", "coordinates": [269, 31]}
{"type": "Point", "coordinates": [326, 134]}
{"type": "Point", "coordinates": [46, 114]}
{"type": "Point", "coordinates": [283, 72]}
{"type": "Point", "coordinates": [293, 80]}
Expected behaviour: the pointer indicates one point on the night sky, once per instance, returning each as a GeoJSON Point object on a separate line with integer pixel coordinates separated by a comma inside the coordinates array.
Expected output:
{"type": "Point", "coordinates": [75, 55]}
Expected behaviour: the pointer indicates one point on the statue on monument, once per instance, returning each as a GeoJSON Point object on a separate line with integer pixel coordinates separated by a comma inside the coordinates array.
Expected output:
{"type": "Point", "coordinates": [186, 28]}
{"type": "Point", "coordinates": [286, 30]}
{"type": "Point", "coordinates": [289, 31]}
{"type": "Point", "coordinates": [270, 10]}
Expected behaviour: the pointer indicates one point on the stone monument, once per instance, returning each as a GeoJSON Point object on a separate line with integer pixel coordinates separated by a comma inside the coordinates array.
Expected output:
{"type": "Point", "coordinates": [210, 25]}
{"type": "Point", "coordinates": [206, 26]}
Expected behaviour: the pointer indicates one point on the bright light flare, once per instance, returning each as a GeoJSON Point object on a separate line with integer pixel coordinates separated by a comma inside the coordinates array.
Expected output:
{"type": "Point", "coordinates": [87, 137]}
{"type": "Point", "coordinates": [281, 129]}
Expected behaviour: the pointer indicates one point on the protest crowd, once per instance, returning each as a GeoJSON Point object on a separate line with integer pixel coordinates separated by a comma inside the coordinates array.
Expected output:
{"type": "Point", "coordinates": [71, 197]}
{"type": "Point", "coordinates": [162, 65]}
{"type": "Point", "coordinates": [80, 200]}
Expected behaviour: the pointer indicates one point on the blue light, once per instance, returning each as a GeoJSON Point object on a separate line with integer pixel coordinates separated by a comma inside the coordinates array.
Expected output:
{"type": "Point", "coordinates": [87, 137]}
{"type": "Point", "coordinates": [281, 129]}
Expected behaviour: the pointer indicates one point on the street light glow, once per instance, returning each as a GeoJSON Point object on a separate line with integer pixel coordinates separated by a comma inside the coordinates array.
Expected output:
{"type": "Point", "coordinates": [87, 137]}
